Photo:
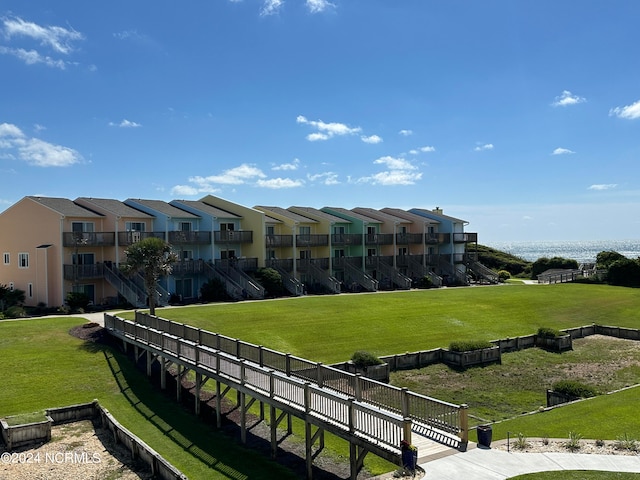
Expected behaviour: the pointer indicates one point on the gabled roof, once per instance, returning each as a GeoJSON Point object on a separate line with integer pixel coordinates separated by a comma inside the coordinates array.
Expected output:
{"type": "Point", "coordinates": [352, 214]}
{"type": "Point", "coordinates": [382, 216]}
{"type": "Point", "coordinates": [315, 213]}
{"type": "Point", "coordinates": [287, 214]}
{"type": "Point", "coordinates": [163, 208]}
{"type": "Point", "coordinates": [206, 208]}
{"type": "Point", "coordinates": [65, 207]}
{"type": "Point", "coordinates": [115, 207]}
{"type": "Point", "coordinates": [436, 214]}
{"type": "Point", "coordinates": [408, 215]}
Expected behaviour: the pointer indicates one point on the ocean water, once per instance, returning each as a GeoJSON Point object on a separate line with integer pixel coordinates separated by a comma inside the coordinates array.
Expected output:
{"type": "Point", "coordinates": [582, 252]}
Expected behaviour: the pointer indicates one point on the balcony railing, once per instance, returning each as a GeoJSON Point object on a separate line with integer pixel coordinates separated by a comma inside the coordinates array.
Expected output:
{"type": "Point", "coordinates": [233, 236]}
{"type": "Point", "coordinates": [89, 239]}
{"type": "Point", "coordinates": [189, 238]}
{"type": "Point", "coordinates": [83, 272]}
{"type": "Point", "coordinates": [409, 238]}
{"type": "Point", "coordinates": [379, 239]}
{"type": "Point", "coordinates": [312, 240]}
{"type": "Point", "coordinates": [129, 238]}
{"type": "Point", "coordinates": [188, 267]}
{"type": "Point", "coordinates": [465, 237]}
{"type": "Point", "coordinates": [278, 241]}
{"type": "Point", "coordinates": [244, 264]}
{"type": "Point", "coordinates": [340, 239]}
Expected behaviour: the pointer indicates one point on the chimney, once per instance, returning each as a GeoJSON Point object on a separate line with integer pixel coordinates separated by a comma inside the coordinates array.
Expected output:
{"type": "Point", "coordinates": [437, 210]}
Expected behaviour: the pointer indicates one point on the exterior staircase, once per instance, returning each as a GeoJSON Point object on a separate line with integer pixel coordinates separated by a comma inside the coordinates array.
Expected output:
{"type": "Point", "coordinates": [361, 278]}
{"type": "Point", "coordinates": [483, 272]}
{"type": "Point", "coordinates": [320, 276]}
{"type": "Point", "coordinates": [417, 265]}
{"type": "Point", "coordinates": [401, 281]}
{"type": "Point", "coordinates": [232, 288]}
{"type": "Point", "coordinates": [290, 283]}
{"type": "Point", "coordinates": [135, 295]}
{"type": "Point", "coordinates": [457, 275]}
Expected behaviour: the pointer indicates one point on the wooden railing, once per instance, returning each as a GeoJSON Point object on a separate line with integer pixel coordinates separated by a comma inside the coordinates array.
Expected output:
{"type": "Point", "coordinates": [446, 417]}
{"type": "Point", "coordinates": [378, 427]}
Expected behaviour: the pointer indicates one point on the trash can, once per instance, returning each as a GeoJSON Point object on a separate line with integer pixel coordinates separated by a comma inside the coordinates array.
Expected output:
{"type": "Point", "coordinates": [484, 435]}
{"type": "Point", "coordinates": [410, 459]}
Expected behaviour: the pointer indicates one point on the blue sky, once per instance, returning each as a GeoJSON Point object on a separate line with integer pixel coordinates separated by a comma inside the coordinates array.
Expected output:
{"type": "Point", "coordinates": [520, 117]}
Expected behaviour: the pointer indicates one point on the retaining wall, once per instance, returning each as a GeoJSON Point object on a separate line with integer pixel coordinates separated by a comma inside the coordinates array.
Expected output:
{"type": "Point", "coordinates": [20, 435]}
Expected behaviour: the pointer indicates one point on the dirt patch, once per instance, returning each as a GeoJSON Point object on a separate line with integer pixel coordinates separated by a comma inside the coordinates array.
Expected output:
{"type": "Point", "coordinates": [77, 451]}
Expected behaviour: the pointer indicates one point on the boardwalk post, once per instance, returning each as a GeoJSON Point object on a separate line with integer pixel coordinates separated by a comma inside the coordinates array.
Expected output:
{"type": "Point", "coordinates": [163, 373]}
{"type": "Point", "coordinates": [406, 430]}
{"type": "Point", "coordinates": [149, 361]}
{"type": "Point", "coordinates": [405, 402]}
{"type": "Point", "coordinates": [308, 445]}
{"type": "Point", "coordinates": [218, 405]}
{"type": "Point", "coordinates": [198, 385]}
{"type": "Point", "coordinates": [464, 426]}
{"type": "Point", "coordinates": [179, 383]}
{"type": "Point", "coordinates": [358, 386]}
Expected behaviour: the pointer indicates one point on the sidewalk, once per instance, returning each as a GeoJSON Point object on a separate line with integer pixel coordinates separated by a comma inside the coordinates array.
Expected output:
{"type": "Point", "coordinates": [490, 464]}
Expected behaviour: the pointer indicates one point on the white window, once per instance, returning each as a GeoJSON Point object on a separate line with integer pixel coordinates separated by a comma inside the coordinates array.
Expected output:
{"type": "Point", "coordinates": [6, 258]}
{"type": "Point", "coordinates": [186, 254]}
{"type": "Point", "coordinates": [82, 227]}
{"type": "Point", "coordinates": [305, 230]}
{"type": "Point", "coordinates": [135, 226]}
{"type": "Point", "coordinates": [185, 226]}
{"type": "Point", "coordinates": [23, 260]}
{"type": "Point", "coordinates": [227, 227]}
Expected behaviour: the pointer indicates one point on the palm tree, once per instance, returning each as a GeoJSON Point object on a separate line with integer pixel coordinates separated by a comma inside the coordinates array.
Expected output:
{"type": "Point", "coordinates": [153, 258]}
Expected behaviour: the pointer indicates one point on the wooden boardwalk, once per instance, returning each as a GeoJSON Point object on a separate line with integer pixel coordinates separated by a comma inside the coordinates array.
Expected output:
{"type": "Point", "coordinates": [359, 416]}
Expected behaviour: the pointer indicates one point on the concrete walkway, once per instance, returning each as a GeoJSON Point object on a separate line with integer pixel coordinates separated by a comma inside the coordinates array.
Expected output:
{"type": "Point", "coordinates": [490, 464]}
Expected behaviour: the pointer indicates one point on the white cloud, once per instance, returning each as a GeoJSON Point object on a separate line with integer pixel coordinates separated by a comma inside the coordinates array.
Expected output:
{"type": "Point", "coordinates": [603, 186]}
{"type": "Point", "coordinates": [31, 57]}
{"type": "Point", "coordinates": [43, 154]}
{"type": "Point", "coordinates": [390, 178]}
{"type": "Point", "coordinates": [630, 112]}
{"type": "Point", "coordinates": [326, 178]}
{"type": "Point", "coordinates": [400, 172]}
{"type": "Point", "coordinates": [278, 183]}
{"type": "Point", "coordinates": [393, 163]}
{"type": "Point", "coordinates": [34, 151]}
{"type": "Point", "coordinates": [233, 176]}
{"type": "Point", "coordinates": [288, 166]}
{"type": "Point", "coordinates": [184, 190]}
{"type": "Point", "coordinates": [373, 139]}
{"type": "Point", "coordinates": [57, 38]}
{"type": "Point", "coordinates": [9, 130]}
{"type": "Point", "coordinates": [271, 7]}
{"type": "Point", "coordinates": [486, 146]}
{"type": "Point", "coordinates": [567, 98]}
{"type": "Point", "coordinates": [427, 149]}
{"type": "Point", "coordinates": [125, 124]}
{"type": "Point", "coordinates": [562, 151]}
{"type": "Point", "coordinates": [405, 133]}
{"type": "Point", "coordinates": [318, 6]}
{"type": "Point", "coordinates": [327, 130]}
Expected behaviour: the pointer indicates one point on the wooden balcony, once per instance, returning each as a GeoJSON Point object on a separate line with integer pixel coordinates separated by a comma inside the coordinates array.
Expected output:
{"type": "Point", "coordinates": [83, 272]}
{"type": "Point", "coordinates": [89, 239]}
{"type": "Point", "coordinates": [188, 267]}
{"type": "Point", "coordinates": [278, 241]}
{"type": "Point", "coordinates": [379, 239]}
{"type": "Point", "coordinates": [233, 236]}
{"type": "Point", "coordinates": [244, 264]}
{"type": "Point", "coordinates": [346, 239]}
{"type": "Point", "coordinates": [409, 238]}
{"type": "Point", "coordinates": [312, 240]}
{"type": "Point", "coordinates": [465, 237]}
{"type": "Point", "coordinates": [189, 238]}
{"type": "Point", "coordinates": [129, 238]}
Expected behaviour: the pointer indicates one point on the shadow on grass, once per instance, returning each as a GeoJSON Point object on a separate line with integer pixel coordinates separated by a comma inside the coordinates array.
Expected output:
{"type": "Point", "coordinates": [212, 448]}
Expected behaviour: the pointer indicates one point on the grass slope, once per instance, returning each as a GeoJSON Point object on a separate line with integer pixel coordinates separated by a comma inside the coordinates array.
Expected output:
{"type": "Point", "coordinates": [331, 328]}
{"type": "Point", "coordinates": [43, 366]}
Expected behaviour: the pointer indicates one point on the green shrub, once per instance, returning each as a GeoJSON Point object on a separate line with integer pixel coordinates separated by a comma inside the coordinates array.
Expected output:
{"type": "Point", "coordinates": [424, 282]}
{"type": "Point", "coordinates": [469, 345]}
{"type": "Point", "coordinates": [625, 442]}
{"type": "Point", "coordinates": [545, 332]}
{"type": "Point", "coordinates": [77, 301]}
{"type": "Point", "coordinates": [503, 275]}
{"type": "Point", "coordinates": [362, 359]}
{"type": "Point", "coordinates": [213, 291]}
{"type": "Point", "coordinates": [15, 312]}
{"type": "Point", "coordinates": [573, 444]}
{"type": "Point", "coordinates": [574, 388]}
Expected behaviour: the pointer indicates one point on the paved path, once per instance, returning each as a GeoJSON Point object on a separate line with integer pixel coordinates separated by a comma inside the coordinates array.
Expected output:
{"type": "Point", "coordinates": [491, 464]}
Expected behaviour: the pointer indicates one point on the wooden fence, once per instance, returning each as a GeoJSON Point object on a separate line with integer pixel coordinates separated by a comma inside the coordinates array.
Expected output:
{"type": "Point", "coordinates": [20, 435]}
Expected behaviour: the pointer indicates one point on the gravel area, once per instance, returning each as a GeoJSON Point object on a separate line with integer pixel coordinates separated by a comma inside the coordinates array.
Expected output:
{"type": "Point", "coordinates": [559, 445]}
{"type": "Point", "coordinates": [77, 451]}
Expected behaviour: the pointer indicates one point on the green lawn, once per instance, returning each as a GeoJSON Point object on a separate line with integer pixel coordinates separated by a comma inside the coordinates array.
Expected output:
{"type": "Point", "coordinates": [43, 366]}
{"type": "Point", "coordinates": [330, 328]}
